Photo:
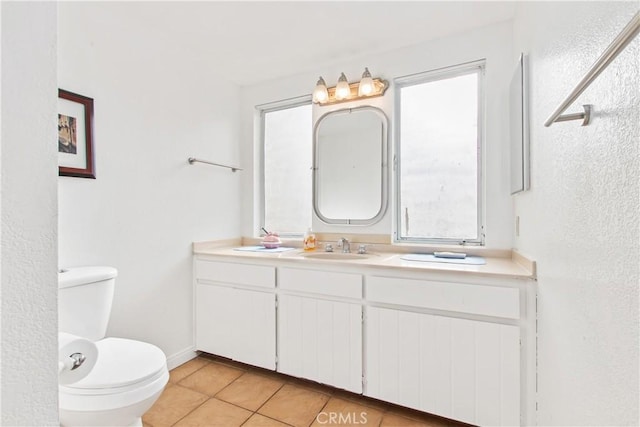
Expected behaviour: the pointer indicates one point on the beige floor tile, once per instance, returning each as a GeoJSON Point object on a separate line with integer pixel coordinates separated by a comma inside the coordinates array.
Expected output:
{"type": "Point", "coordinates": [342, 412]}
{"type": "Point", "coordinates": [391, 419]}
{"type": "Point", "coordinates": [227, 362]}
{"type": "Point", "coordinates": [258, 420]}
{"type": "Point", "coordinates": [186, 369]}
{"type": "Point", "coordinates": [211, 378]}
{"type": "Point", "coordinates": [174, 403]}
{"type": "Point", "coordinates": [214, 413]}
{"type": "Point", "coordinates": [294, 405]}
{"type": "Point", "coordinates": [347, 413]}
{"type": "Point", "coordinates": [250, 391]}
{"type": "Point", "coordinates": [364, 400]}
{"type": "Point", "coordinates": [423, 417]}
{"type": "Point", "coordinates": [312, 385]}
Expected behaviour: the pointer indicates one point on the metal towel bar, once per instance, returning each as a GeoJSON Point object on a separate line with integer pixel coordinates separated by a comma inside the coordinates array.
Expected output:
{"type": "Point", "coordinates": [193, 160]}
{"type": "Point", "coordinates": [619, 43]}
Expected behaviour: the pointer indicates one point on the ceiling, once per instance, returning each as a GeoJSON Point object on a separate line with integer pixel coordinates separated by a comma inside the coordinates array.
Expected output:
{"type": "Point", "coordinates": [252, 42]}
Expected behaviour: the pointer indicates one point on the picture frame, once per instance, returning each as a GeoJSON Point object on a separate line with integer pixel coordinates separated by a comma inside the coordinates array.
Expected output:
{"type": "Point", "coordinates": [75, 135]}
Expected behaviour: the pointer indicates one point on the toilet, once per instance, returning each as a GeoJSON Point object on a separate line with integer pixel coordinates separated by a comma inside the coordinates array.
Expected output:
{"type": "Point", "coordinates": [128, 376]}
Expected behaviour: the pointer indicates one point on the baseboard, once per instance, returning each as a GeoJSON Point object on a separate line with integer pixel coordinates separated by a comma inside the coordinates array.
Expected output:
{"type": "Point", "coordinates": [181, 357]}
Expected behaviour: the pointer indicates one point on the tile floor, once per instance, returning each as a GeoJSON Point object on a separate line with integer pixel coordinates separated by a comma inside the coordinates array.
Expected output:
{"type": "Point", "coordinates": [211, 391]}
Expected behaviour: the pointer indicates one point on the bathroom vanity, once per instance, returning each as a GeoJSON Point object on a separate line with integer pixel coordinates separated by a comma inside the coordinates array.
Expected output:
{"type": "Point", "coordinates": [453, 340]}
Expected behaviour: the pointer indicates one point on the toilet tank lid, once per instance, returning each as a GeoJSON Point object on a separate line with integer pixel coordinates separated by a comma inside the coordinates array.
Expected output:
{"type": "Point", "coordinates": [76, 276]}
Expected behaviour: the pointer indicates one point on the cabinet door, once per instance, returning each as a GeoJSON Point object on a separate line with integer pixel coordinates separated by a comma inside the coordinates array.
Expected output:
{"type": "Point", "coordinates": [236, 323]}
{"type": "Point", "coordinates": [321, 340]}
{"type": "Point", "coordinates": [461, 369]}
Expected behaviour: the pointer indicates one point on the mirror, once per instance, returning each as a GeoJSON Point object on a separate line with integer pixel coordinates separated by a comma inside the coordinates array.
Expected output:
{"type": "Point", "coordinates": [350, 166]}
{"type": "Point", "coordinates": [519, 128]}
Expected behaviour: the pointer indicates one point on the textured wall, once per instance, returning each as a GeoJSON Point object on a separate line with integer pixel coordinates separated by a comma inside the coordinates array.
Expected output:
{"type": "Point", "coordinates": [156, 104]}
{"type": "Point", "coordinates": [29, 381]}
{"type": "Point", "coordinates": [580, 219]}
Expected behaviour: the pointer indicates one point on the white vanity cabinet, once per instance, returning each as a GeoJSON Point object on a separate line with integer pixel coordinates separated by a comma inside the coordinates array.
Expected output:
{"type": "Point", "coordinates": [446, 348]}
{"type": "Point", "coordinates": [320, 326]}
{"type": "Point", "coordinates": [458, 344]}
{"type": "Point", "coordinates": [235, 311]}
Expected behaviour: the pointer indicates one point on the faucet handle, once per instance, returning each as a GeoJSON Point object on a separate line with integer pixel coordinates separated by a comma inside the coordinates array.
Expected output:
{"type": "Point", "coordinates": [362, 249]}
{"type": "Point", "coordinates": [328, 247]}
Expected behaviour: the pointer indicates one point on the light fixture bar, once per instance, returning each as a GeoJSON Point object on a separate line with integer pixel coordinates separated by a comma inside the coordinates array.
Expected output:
{"type": "Point", "coordinates": [379, 87]}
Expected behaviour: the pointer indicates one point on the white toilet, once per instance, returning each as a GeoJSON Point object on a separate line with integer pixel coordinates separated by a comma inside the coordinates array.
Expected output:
{"type": "Point", "coordinates": [128, 376]}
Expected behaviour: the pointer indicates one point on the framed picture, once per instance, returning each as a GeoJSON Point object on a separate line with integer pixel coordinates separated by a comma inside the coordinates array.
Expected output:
{"type": "Point", "coordinates": [75, 135]}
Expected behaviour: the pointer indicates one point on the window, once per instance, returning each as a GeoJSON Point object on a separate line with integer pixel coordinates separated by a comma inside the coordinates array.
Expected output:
{"type": "Point", "coordinates": [287, 159]}
{"type": "Point", "coordinates": [439, 142]}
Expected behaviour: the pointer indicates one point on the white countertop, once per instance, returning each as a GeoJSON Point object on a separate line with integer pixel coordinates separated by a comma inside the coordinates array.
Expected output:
{"type": "Point", "coordinates": [515, 266]}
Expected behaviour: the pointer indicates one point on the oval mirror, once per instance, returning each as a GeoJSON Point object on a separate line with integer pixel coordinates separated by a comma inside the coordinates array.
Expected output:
{"type": "Point", "coordinates": [350, 166]}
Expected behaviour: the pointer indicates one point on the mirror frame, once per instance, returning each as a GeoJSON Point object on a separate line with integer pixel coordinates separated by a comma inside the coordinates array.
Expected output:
{"type": "Point", "coordinates": [384, 182]}
{"type": "Point", "coordinates": [520, 179]}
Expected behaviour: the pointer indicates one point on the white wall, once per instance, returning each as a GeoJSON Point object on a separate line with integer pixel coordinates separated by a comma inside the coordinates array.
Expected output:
{"type": "Point", "coordinates": [156, 104]}
{"type": "Point", "coordinates": [29, 383]}
{"type": "Point", "coordinates": [492, 43]}
{"type": "Point", "coordinates": [580, 219]}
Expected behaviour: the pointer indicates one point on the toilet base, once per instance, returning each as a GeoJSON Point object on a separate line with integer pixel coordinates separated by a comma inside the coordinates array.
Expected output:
{"type": "Point", "coordinates": [130, 416]}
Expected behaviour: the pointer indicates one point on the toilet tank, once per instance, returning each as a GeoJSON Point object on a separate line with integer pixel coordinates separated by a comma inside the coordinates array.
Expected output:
{"type": "Point", "coordinates": [85, 295]}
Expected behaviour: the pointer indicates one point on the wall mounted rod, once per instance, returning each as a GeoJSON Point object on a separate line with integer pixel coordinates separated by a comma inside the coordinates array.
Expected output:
{"type": "Point", "coordinates": [619, 43]}
{"type": "Point", "coordinates": [193, 160]}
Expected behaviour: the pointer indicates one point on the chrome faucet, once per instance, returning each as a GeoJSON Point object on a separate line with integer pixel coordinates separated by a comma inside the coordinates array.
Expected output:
{"type": "Point", "coordinates": [345, 245]}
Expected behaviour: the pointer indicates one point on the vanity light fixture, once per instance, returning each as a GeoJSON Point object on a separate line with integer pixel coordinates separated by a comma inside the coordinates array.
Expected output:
{"type": "Point", "coordinates": [320, 94]}
{"type": "Point", "coordinates": [344, 91]}
{"type": "Point", "coordinates": [342, 88]}
{"type": "Point", "coordinates": [365, 88]}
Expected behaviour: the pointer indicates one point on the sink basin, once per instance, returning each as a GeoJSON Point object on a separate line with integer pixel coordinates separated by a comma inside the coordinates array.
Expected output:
{"type": "Point", "coordinates": [336, 255]}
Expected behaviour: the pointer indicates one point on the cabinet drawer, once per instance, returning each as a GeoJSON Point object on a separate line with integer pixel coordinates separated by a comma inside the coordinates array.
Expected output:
{"type": "Point", "coordinates": [240, 274]}
{"type": "Point", "coordinates": [466, 298]}
{"type": "Point", "coordinates": [321, 282]}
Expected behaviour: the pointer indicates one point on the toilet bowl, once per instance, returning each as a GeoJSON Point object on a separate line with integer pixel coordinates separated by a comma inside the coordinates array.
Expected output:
{"type": "Point", "coordinates": [125, 382]}
{"type": "Point", "coordinates": [128, 376]}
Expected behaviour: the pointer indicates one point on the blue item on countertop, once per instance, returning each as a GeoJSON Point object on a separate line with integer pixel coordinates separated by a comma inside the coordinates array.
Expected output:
{"type": "Point", "coordinates": [469, 260]}
{"type": "Point", "coordinates": [455, 255]}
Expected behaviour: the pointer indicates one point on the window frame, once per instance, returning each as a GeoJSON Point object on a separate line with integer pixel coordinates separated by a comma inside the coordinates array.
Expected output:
{"type": "Point", "coordinates": [262, 110]}
{"type": "Point", "coordinates": [478, 67]}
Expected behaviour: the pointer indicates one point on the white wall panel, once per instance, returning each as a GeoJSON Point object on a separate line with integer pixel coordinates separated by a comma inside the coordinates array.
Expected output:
{"type": "Point", "coordinates": [156, 104]}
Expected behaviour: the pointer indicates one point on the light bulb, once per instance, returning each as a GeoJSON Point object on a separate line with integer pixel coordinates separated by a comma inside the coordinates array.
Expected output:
{"type": "Point", "coordinates": [365, 88]}
{"type": "Point", "coordinates": [320, 93]}
{"type": "Point", "coordinates": [342, 88]}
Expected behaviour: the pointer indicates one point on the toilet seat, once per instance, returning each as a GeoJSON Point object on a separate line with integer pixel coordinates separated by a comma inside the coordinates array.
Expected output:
{"type": "Point", "coordinates": [121, 363]}
{"type": "Point", "coordinates": [126, 372]}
